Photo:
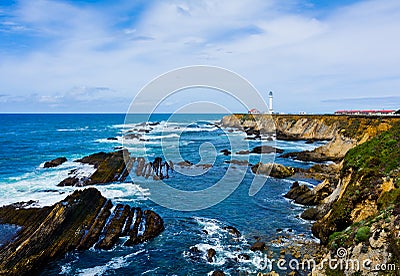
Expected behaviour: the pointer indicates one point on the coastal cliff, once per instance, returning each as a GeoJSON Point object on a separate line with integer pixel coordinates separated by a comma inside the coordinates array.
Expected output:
{"type": "Point", "coordinates": [356, 206]}
{"type": "Point", "coordinates": [365, 206]}
{"type": "Point", "coordinates": [341, 132]}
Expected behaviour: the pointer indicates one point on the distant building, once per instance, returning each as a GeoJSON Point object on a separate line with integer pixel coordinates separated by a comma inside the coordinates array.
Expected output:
{"type": "Point", "coordinates": [365, 112]}
{"type": "Point", "coordinates": [254, 111]}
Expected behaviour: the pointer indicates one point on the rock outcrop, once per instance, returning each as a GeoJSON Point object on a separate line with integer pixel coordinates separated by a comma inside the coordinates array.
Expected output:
{"type": "Point", "coordinates": [364, 207]}
{"type": "Point", "coordinates": [258, 246]}
{"type": "Point", "coordinates": [273, 169]}
{"type": "Point", "coordinates": [265, 150]}
{"type": "Point", "coordinates": [81, 220]}
{"type": "Point", "coordinates": [302, 194]}
{"type": "Point", "coordinates": [55, 162]}
{"type": "Point", "coordinates": [341, 132]}
{"type": "Point", "coordinates": [115, 167]}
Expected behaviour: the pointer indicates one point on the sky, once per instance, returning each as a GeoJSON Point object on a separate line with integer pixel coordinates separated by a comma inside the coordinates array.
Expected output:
{"type": "Point", "coordinates": [317, 56]}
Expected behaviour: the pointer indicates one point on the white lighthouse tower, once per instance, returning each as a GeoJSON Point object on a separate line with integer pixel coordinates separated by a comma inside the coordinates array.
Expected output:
{"type": "Point", "coordinates": [270, 102]}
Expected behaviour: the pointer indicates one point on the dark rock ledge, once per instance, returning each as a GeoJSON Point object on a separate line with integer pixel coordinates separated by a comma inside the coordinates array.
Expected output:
{"type": "Point", "coordinates": [80, 221]}
{"type": "Point", "coordinates": [115, 167]}
{"type": "Point", "coordinates": [55, 162]}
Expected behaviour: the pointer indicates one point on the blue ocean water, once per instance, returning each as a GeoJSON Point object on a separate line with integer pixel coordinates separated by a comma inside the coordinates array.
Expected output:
{"type": "Point", "coordinates": [28, 140]}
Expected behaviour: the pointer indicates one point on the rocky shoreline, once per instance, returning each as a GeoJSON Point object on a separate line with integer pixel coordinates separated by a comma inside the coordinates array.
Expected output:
{"type": "Point", "coordinates": [82, 220]}
{"type": "Point", "coordinates": [355, 208]}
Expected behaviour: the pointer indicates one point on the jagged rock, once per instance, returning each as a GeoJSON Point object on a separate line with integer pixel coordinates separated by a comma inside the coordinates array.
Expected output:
{"type": "Point", "coordinates": [96, 228]}
{"type": "Point", "coordinates": [313, 156]}
{"type": "Point", "coordinates": [273, 169]}
{"type": "Point", "coordinates": [258, 246]}
{"type": "Point", "coordinates": [185, 163]}
{"type": "Point", "coordinates": [132, 136]}
{"type": "Point", "coordinates": [243, 152]}
{"type": "Point", "coordinates": [204, 166]}
{"type": "Point", "coordinates": [24, 204]}
{"type": "Point", "coordinates": [321, 172]}
{"type": "Point", "coordinates": [55, 162]}
{"type": "Point", "coordinates": [311, 214]}
{"type": "Point", "coordinates": [301, 195]}
{"type": "Point", "coordinates": [114, 227]}
{"type": "Point", "coordinates": [295, 185]}
{"type": "Point", "coordinates": [154, 225]}
{"type": "Point", "coordinates": [77, 222]}
{"type": "Point", "coordinates": [69, 181]}
{"type": "Point", "coordinates": [225, 152]}
{"type": "Point", "coordinates": [218, 273]}
{"type": "Point", "coordinates": [232, 230]}
{"type": "Point", "coordinates": [110, 167]}
{"type": "Point", "coordinates": [210, 254]}
{"type": "Point", "coordinates": [144, 130]}
{"type": "Point", "coordinates": [266, 149]}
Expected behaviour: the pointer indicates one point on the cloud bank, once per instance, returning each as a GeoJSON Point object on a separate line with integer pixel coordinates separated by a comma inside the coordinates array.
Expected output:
{"type": "Point", "coordinates": [55, 55]}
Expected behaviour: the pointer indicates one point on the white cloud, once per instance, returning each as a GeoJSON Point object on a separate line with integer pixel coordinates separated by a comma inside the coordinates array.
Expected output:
{"type": "Point", "coordinates": [352, 52]}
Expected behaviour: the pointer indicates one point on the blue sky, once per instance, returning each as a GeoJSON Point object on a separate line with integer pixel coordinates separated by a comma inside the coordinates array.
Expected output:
{"type": "Point", "coordinates": [94, 56]}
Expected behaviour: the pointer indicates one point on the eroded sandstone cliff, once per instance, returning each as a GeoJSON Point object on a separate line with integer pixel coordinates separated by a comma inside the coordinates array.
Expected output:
{"type": "Point", "coordinates": [341, 132]}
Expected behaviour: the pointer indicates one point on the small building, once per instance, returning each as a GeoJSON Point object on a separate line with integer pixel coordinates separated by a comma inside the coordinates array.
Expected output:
{"type": "Point", "coordinates": [254, 111]}
{"type": "Point", "coordinates": [365, 112]}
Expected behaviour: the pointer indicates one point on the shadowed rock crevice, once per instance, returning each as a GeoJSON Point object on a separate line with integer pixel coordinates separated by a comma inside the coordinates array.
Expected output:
{"type": "Point", "coordinates": [80, 221]}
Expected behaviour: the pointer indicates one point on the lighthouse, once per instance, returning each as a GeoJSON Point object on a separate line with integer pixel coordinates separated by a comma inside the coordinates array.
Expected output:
{"type": "Point", "coordinates": [270, 102]}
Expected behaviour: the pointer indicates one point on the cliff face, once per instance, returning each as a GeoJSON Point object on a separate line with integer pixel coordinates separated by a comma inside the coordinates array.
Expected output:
{"type": "Point", "coordinates": [342, 132]}
{"type": "Point", "coordinates": [365, 211]}
{"type": "Point", "coordinates": [359, 207]}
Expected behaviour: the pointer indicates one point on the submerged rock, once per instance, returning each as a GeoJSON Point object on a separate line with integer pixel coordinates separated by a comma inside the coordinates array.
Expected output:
{"type": "Point", "coordinates": [55, 162]}
{"type": "Point", "coordinates": [77, 222]}
{"type": "Point", "coordinates": [258, 246]}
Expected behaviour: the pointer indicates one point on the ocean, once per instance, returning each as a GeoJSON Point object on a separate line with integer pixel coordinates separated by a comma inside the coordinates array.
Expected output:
{"type": "Point", "coordinates": [29, 140]}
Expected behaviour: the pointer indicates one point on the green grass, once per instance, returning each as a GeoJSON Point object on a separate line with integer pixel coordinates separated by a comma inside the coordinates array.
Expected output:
{"type": "Point", "coordinates": [381, 154]}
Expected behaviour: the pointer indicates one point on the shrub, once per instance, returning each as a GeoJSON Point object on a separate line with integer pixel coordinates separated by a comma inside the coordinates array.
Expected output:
{"type": "Point", "coordinates": [363, 234]}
